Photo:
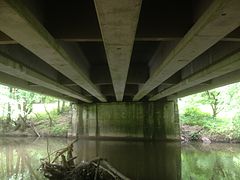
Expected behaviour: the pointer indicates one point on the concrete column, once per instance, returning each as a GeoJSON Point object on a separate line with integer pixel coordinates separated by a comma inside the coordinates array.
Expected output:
{"type": "Point", "coordinates": [143, 120]}
{"type": "Point", "coordinates": [77, 122]}
{"type": "Point", "coordinates": [171, 120]}
{"type": "Point", "coordinates": [80, 125]}
{"type": "Point", "coordinates": [72, 131]}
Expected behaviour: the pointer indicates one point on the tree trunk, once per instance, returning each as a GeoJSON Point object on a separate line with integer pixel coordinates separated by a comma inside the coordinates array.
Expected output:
{"type": "Point", "coordinates": [58, 106]}
{"type": "Point", "coordinates": [45, 108]}
{"type": "Point", "coordinates": [9, 106]}
{"type": "Point", "coordinates": [63, 107]}
{"type": "Point", "coordinates": [49, 116]}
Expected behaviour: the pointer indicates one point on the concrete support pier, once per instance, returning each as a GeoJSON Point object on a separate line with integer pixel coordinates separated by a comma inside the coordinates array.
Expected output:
{"type": "Point", "coordinates": [134, 120]}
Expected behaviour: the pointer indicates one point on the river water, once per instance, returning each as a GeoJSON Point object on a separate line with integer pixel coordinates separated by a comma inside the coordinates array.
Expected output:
{"type": "Point", "coordinates": [20, 158]}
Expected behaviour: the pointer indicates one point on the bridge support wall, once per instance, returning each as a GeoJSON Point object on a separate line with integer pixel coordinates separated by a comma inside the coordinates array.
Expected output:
{"type": "Point", "coordinates": [149, 120]}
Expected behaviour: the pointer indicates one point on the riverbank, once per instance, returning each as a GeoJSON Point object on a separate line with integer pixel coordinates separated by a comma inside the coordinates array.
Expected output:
{"type": "Point", "coordinates": [39, 127]}
{"type": "Point", "coordinates": [201, 134]}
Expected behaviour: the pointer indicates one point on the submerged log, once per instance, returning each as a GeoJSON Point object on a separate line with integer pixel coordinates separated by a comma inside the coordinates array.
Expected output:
{"type": "Point", "coordinates": [62, 167]}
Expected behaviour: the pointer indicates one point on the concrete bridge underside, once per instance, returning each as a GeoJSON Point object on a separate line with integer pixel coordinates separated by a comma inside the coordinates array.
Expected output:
{"type": "Point", "coordinates": [124, 52]}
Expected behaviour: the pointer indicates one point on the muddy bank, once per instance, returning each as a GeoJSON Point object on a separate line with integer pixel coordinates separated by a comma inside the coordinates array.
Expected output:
{"type": "Point", "coordinates": [199, 134]}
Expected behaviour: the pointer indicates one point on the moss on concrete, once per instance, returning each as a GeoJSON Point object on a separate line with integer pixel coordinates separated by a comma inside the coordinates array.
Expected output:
{"type": "Point", "coordinates": [150, 120]}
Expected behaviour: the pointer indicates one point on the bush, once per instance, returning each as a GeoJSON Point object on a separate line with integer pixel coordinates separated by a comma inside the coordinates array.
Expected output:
{"type": "Point", "coordinates": [43, 116]}
{"type": "Point", "coordinates": [194, 116]}
{"type": "Point", "coordinates": [195, 136]}
{"type": "Point", "coordinates": [213, 126]}
{"type": "Point", "coordinates": [236, 125]}
{"type": "Point", "coordinates": [59, 130]}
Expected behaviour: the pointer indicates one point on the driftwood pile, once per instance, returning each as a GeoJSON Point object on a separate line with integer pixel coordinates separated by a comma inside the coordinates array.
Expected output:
{"type": "Point", "coordinates": [62, 167]}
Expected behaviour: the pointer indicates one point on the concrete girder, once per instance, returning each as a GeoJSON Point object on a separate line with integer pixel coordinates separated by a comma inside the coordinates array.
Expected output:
{"type": "Point", "coordinates": [229, 78]}
{"type": "Point", "coordinates": [25, 85]}
{"type": "Point", "coordinates": [26, 58]}
{"type": "Point", "coordinates": [107, 90]}
{"type": "Point", "coordinates": [211, 56]}
{"type": "Point", "coordinates": [118, 23]}
{"type": "Point", "coordinates": [217, 21]}
{"type": "Point", "coordinates": [4, 39]}
{"type": "Point", "coordinates": [228, 64]}
{"type": "Point", "coordinates": [18, 23]}
{"type": "Point", "coordinates": [68, 37]}
{"type": "Point", "coordinates": [9, 66]}
{"type": "Point", "coordinates": [100, 75]}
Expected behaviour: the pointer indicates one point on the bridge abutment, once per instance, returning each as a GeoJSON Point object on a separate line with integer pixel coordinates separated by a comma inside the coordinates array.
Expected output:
{"type": "Point", "coordinates": [147, 120]}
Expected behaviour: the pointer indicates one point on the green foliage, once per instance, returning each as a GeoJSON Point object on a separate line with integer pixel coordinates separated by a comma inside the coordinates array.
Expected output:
{"type": "Point", "coordinates": [195, 136]}
{"type": "Point", "coordinates": [194, 116]}
{"type": "Point", "coordinates": [213, 98]}
{"type": "Point", "coordinates": [222, 127]}
{"type": "Point", "coordinates": [236, 125]}
{"type": "Point", "coordinates": [43, 116]}
{"type": "Point", "coordinates": [224, 121]}
{"type": "Point", "coordinates": [213, 162]}
{"type": "Point", "coordinates": [59, 130]}
{"type": "Point", "coordinates": [212, 126]}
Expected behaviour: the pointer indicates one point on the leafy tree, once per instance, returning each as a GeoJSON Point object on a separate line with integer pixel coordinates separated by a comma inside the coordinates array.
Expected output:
{"type": "Point", "coordinates": [27, 99]}
{"type": "Point", "coordinates": [213, 98]}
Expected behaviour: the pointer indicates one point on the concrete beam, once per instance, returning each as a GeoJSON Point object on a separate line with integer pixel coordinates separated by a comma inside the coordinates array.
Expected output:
{"type": "Point", "coordinates": [67, 37]}
{"type": "Point", "coordinates": [118, 23]}
{"type": "Point", "coordinates": [4, 39]}
{"type": "Point", "coordinates": [211, 56]}
{"type": "Point", "coordinates": [100, 75]}
{"type": "Point", "coordinates": [19, 23]}
{"type": "Point", "coordinates": [229, 64]}
{"type": "Point", "coordinates": [130, 90]}
{"type": "Point", "coordinates": [217, 21]}
{"type": "Point", "coordinates": [9, 66]}
{"type": "Point", "coordinates": [9, 80]}
{"type": "Point", "coordinates": [26, 58]}
{"type": "Point", "coordinates": [229, 78]}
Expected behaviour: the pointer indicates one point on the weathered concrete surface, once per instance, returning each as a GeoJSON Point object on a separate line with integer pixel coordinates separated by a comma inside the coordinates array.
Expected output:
{"type": "Point", "coordinates": [118, 22]}
{"type": "Point", "coordinates": [9, 66]}
{"type": "Point", "coordinates": [72, 131]}
{"type": "Point", "coordinates": [12, 81]}
{"type": "Point", "coordinates": [224, 80]}
{"type": "Point", "coordinates": [218, 20]}
{"type": "Point", "coordinates": [228, 64]}
{"type": "Point", "coordinates": [148, 120]}
{"type": "Point", "coordinates": [21, 25]}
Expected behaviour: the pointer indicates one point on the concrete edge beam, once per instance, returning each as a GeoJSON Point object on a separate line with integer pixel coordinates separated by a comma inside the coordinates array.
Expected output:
{"type": "Point", "coordinates": [229, 64]}
{"type": "Point", "coordinates": [217, 21]}
{"type": "Point", "coordinates": [118, 23]}
{"type": "Point", "coordinates": [9, 80]}
{"type": "Point", "coordinates": [19, 23]}
{"type": "Point", "coordinates": [68, 37]}
{"type": "Point", "coordinates": [211, 56]}
{"type": "Point", "coordinates": [227, 79]}
{"type": "Point", "coordinates": [9, 66]}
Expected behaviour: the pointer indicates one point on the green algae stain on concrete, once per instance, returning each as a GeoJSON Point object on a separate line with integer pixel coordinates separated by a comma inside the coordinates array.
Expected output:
{"type": "Point", "coordinates": [121, 119]}
{"type": "Point", "coordinates": [150, 120]}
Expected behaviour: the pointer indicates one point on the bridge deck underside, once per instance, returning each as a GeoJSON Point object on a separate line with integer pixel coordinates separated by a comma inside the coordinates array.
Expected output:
{"type": "Point", "coordinates": [129, 50]}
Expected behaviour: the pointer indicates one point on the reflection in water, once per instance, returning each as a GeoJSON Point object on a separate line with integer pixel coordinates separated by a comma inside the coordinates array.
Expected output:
{"type": "Point", "coordinates": [19, 157]}
{"type": "Point", "coordinates": [213, 162]}
{"type": "Point", "coordinates": [137, 160]}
